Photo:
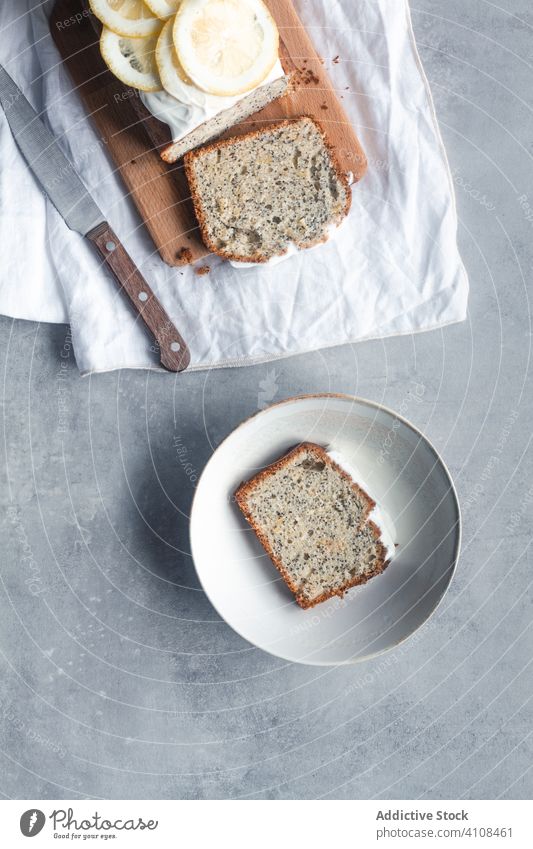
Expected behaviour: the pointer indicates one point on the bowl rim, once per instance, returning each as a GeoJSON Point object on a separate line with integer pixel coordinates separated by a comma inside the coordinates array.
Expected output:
{"type": "Point", "coordinates": [376, 405]}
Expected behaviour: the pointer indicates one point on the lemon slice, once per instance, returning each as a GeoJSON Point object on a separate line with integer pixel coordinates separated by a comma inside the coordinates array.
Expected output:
{"type": "Point", "coordinates": [126, 17]}
{"type": "Point", "coordinates": [132, 60]}
{"type": "Point", "coordinates": [164, 9]}
{"type": "Point", "coordinates": [168, 64]}
{"type": "Point", "coordinates": [226, 47]}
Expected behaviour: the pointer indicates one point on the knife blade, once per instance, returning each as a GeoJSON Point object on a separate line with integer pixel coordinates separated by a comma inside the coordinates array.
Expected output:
{"type": "Point", "coordinates": [82, 214]}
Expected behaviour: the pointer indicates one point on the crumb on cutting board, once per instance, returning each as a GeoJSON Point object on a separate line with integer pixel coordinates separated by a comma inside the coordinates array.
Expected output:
{"type": "Point", "coordinates": [202, 270]}
{"type": "Point", "coordinates": [184, 256]}
{"type": "Point", "coordinates": [306, 76]}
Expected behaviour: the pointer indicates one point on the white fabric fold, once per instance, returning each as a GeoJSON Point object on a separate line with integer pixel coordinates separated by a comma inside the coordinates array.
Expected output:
{"type": "Point", "coordinates": [393, 267]}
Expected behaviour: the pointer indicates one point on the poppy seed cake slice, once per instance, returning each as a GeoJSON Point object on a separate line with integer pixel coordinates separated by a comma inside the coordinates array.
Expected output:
{"type": "Point", "coordinates": [312, 520]}
{"type": "Point", "coordinates": [228, 118]}
{"type": "Point", "coordinates": [258, 194]}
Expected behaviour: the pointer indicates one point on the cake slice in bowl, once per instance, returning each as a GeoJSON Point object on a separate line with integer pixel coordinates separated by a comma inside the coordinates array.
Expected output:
{"type": "Point", "coordinates": [312, 519]}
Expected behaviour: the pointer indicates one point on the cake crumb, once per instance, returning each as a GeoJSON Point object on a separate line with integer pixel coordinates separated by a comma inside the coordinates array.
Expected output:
{"type": "Point", "coordinates": [306, 76]}
{"type": "Point", "coordinates": [336, 60]}
{"type": "Point", "coordinates": [202, 270]}
{"type": "Point", "coordinates": [184, 256]}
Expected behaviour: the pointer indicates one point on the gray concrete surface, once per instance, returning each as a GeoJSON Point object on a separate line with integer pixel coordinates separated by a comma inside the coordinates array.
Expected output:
{"type": "Point", "coordinates": [118, 678]}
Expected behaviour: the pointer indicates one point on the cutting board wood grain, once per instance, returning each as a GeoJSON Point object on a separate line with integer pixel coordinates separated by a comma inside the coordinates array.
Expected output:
{"type": "Point", "coordinates": [132, 137]}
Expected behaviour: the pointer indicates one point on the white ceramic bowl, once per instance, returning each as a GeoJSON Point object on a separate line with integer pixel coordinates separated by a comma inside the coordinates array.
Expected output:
{"type": "Point", "coordinates": [402, 471]}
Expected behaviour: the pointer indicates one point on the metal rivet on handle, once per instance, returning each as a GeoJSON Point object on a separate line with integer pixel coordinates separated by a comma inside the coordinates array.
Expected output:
{"type": "Point", "coordinates": [143, 296]}
{"type": "Point", "coordinates": [175, 346]}
{"type": "Point", "coordinates": [110, 246]}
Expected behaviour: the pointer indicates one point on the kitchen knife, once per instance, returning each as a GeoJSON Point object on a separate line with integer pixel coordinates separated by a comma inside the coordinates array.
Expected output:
{"type": "Point", "coordinates": [80, 213]}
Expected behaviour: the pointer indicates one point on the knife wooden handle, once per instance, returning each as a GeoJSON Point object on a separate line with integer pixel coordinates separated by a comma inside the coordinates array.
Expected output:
{"type": "Point", "coordinates": [174, 353]}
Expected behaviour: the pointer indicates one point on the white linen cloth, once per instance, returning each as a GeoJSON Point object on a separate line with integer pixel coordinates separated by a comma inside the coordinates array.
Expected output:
{"type": "Point", "coordinates": [393, 267]}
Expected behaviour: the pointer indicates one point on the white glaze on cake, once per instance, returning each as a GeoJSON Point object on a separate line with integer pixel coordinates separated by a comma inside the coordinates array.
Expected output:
{"type": "Point", "coordinates": [185, 107]}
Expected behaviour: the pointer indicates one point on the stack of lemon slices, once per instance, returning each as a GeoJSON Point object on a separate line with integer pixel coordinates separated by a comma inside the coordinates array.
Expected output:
{"type": "Point", "coordinates": [222, 47]}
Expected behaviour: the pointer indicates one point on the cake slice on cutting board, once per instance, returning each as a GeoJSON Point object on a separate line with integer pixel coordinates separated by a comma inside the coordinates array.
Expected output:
{"type": "Point", "coordinates": [271, 192]}
{"type": "Point", "coordinates": [313, 521]}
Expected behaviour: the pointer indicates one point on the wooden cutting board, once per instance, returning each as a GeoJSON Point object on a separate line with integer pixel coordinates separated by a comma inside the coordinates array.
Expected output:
{"type": "Point", "coordinates": [132, 137]}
